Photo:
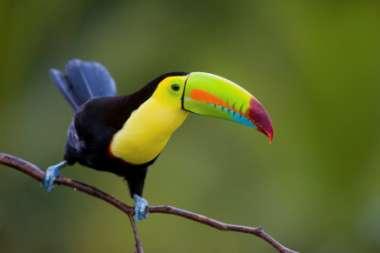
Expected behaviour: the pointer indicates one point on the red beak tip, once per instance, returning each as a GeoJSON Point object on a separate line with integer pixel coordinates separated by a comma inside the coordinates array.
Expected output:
{"type": "Point", "coordinates": [261, 119]}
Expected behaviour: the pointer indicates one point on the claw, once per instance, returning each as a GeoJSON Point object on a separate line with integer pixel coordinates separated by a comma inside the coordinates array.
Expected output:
{"type": "Point", "coordinates": [141, 208]}
{"type": "Point", "coordinates": [51, 174]}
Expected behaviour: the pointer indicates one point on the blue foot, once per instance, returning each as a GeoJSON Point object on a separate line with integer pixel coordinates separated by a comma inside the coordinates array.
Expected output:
{"type": "Point", "coordinates": [51, 174]}
{"type": "Point", "coordinates": [141, 208]}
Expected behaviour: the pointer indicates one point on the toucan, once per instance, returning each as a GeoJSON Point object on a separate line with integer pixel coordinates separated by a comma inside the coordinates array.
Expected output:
{"type": "Point", "coordinates": [124, 135]}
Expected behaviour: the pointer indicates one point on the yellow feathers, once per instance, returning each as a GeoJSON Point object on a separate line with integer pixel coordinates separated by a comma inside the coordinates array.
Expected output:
{"type": "Point", "coordinates": [148, 129]}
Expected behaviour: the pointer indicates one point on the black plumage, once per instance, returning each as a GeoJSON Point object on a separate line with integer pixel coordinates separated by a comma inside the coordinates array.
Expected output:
{"type": "Point", "coordinates": [98, 115]}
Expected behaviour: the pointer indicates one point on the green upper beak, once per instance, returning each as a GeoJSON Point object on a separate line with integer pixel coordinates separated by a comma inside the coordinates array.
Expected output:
{"type": "Point", "coordinates": [211, 95]}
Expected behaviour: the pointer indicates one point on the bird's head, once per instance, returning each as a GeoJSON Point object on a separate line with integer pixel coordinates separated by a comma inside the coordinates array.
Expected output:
{"type": "Point", "coordinates": [211, 95]}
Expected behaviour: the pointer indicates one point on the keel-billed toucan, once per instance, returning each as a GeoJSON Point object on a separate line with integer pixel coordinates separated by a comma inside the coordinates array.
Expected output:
{"type": "Point", "coordinates": [125, 134]}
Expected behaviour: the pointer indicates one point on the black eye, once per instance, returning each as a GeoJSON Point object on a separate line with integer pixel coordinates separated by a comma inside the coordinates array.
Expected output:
{"type": "Point", "coordinates": [175, 87]}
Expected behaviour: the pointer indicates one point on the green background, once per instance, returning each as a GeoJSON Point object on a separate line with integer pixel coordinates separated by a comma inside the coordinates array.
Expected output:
{"type": "Point", "coordinates": [313, 64]}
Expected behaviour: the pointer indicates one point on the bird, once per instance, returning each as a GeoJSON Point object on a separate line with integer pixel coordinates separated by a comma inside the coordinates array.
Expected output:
{"type": "Point", "coordinates": [125, 134]}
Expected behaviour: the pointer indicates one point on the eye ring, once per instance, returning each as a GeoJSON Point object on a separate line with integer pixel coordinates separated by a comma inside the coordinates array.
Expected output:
{"type": "Point", "coordinates": [175, 87]}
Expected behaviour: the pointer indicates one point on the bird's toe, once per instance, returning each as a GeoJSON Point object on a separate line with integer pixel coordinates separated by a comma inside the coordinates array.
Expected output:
{"type": "Point", "coordinates": [50, 175]}
{"type": "Point", "coordinates": [141, 208]}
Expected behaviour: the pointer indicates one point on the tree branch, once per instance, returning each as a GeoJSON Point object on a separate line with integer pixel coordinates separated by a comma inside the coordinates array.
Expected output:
{"type": "Point", "coordinates": [138, 243]}
{"type": "Point", "coordinates": [36, 173]}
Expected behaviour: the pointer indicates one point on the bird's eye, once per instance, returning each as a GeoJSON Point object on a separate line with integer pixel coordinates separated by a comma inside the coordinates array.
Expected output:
{"type": "Point", "coordinates": [175, 87]}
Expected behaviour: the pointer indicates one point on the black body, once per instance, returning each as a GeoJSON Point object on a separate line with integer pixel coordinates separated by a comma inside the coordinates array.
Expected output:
{"type": "Point", "coordinates": [99, 114]}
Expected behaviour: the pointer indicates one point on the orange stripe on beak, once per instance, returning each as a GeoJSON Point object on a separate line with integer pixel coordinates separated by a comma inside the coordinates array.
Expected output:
{"type": "Point", "coordinates": [204, 96]}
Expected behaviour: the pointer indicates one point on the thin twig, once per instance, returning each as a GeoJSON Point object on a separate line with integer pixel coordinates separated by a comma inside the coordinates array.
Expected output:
{"type": "Point", "coordinates": [36, 173]}
{"type": "Point", "coordinates": [138, 243]}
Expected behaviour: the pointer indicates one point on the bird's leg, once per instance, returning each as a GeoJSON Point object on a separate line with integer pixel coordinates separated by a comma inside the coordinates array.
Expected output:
{"type": "Point", "coordinates": [141, 208]}
{"type": "Point", "coordinates": [51, 174]}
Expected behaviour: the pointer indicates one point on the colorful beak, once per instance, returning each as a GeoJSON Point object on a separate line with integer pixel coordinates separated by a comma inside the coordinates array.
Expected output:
{"type": "Point", "coordinates": [211, 95]}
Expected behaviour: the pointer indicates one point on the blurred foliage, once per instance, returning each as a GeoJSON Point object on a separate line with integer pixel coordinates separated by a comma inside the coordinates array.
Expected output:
{"type": "Point", "coordinates": [314, 64]}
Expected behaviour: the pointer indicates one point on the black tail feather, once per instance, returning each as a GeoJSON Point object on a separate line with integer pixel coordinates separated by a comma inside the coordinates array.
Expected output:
{"type": "Point", "coordinates": [83, 81]}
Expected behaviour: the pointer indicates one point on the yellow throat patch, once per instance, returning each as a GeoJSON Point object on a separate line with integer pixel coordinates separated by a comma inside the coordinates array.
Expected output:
{"type": "Point", "coordinates": [149, 128]}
